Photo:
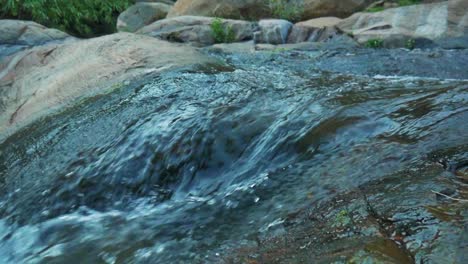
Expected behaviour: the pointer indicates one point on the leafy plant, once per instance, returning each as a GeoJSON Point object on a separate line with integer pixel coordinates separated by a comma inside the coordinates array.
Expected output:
{"type": "Point", "coordinates": [222, 33]}
{"type": "Point", "coordinates": [408, 2]}
{"type": "Point", "coordinates": [83, 18]}
{"type": "Point", "coordinates": [286, 9]}
{"type": "Point", "coordinates": [375, 9]}
{"type": "Point", "coordinates": [374, 43]}
{"type": "Point", "coordinates": [410, 44]}
{"type": "Point", "coordinates": [342, 218]}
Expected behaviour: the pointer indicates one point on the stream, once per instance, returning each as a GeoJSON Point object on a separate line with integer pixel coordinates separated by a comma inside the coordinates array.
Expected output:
{"type": "Point", "coordinates": [185, 167]}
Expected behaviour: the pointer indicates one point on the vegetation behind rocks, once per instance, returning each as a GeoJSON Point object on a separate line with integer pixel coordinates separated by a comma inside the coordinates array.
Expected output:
{"type": "Point", "coordinates": [220, 32]}
{"type": "Point", "coordinates": [287, 10]}
{"type": "Point", "coordinates": [83, 18]}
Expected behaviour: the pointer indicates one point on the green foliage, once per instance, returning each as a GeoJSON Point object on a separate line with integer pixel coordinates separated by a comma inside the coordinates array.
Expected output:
{"type": "Point", "coordinates": [374, 43]}
{"type": "Point", "coordinates": [279, 50]}
{"type": "Point", "coordinates": [78, 17]}
{"type": "Point", "coordinates": [342, 218]}
{"type": "Point", "coordinates": [286, 9]}
{"type": "Point", "coordinates": [400, 3]}
{"type": "Point", "coordinates": [410, 44]}
{"type": "Point", "coordinates": [408, 2]}
{"type": "Point", "coordinates": [221, 33]}
{"type": "Point", "coordinates": [375, 9]}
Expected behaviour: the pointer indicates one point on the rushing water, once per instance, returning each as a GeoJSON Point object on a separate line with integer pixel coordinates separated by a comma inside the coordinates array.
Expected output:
{"type": "Point", "coordinates": [187, 164]}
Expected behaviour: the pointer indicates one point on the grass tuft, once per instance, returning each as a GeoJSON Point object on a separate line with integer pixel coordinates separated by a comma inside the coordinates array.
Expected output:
{"type": "Point", "coordinates": [222, 33]}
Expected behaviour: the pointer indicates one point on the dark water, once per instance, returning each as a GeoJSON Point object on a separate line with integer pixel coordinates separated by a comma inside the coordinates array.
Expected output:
{"type": "Point", "coordinates": [187, 165]}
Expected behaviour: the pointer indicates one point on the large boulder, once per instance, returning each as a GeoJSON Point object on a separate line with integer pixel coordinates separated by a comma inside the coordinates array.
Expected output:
{"type": "Point", "coordinates": [317, 29]}
{"type": "Point", "coordinates": [197, 30]}
{"type": "Point", "coordinates": [140, 15]}
{"type": "Point", "coordinates": [396, 26]}
{"type": "Point", "coordinates": [258, 9]}
{"type": "Point", "coordinates": [336, 8]}
{"type": "Point", "coordinates": [168, 2]}
{"type": "Point", "coordinates": [28, 33]}
{"type": "Point", "coordinates": [273, 31]}
{"type": "Point", "coordinates": [16, 35]}
{"type": "Point", "coordinates": [234, 9]}
{"type": "Point", "coordinates": [41, 80]}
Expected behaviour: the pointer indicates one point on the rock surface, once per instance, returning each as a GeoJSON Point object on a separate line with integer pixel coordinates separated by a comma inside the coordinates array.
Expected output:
{"type": "Point", "coordinates": [234, 9]}
{"type": "Point", "coordinates": [37, 81]}
{"type": "Point", "coordinates": [321, 167]}
{"type": "Point", "coordinates": [140, 15]}
{"type": "Point", "coordinates": [196, 30]}
{"type": "Point", "coordinates": [273, 31]}
{"type": "Point", "coordinates": [168, 2]}
{"type": "Point", "coordinates": [337, 8]}
{"type": "Point", "coordinates": [258, 9]}
{"type": "Point", "coordinates": [18, 32]}
{"type": "Point", "coordinates": [318, 29]}
{"type": "Point", "coordinates": [395, 26]}
{"type": "Point", "coordinates": [16, 35]}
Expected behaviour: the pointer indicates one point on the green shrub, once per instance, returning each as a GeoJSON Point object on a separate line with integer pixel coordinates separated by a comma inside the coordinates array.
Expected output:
{"type": "Point", "coordinates": [342, 219]}
{"type": "Point", "coordinates": [286, 9]}
{"type": "Point", "coordinates": [375, 9]}
{"type": "Point", "coordinates": [410, 44]}
{"type": "Point", "coordinates": [374, 43]}
{"type": "Point", "coordinates": [221, 33]}
{"type": "Point", "coordinates": [84, 18]}
{"type": "Point", "coordinates": [408, 2]}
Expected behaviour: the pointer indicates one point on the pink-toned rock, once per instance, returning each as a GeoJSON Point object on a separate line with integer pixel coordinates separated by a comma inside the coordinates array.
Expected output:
{"type": "Point", "coordinates": [18, 32]}
{"type": "Point", "coordinates": [196, 30]}
{"type": "Point", "coordinates": [318, 29]}
{"type": "Point", "coordinates": [435, 22]}
{"type": "Point", "coordinates": [336, 8]}
{"type": "Point", "coordinates": [140, 15]}
{"type": "Point", "coordinates": [42, 80]}
{"type": "Point", "coordinates": [260, 9]}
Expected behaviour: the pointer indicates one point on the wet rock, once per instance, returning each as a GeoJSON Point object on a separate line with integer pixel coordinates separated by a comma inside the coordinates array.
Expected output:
{"type": "Point", "coordinates": [239, 47]}
{"type": "Point", "coordinates": [196, 30]}
{"type": "Point", "coordinates": [288, 47]}
{"type": "Point", "coordinates": [45, 79]}
{"type": "Point", "coordinates": [318, 29]}
{"type": "Point", "coordinates": [273, 31]}
{"type": "Point", "coordinates": [428, 63]}
{"type": "Point", "coordinates": [140, 15]}
{"type": "Point", "coordinates": [461, 173]}
{"type": "Point", "coordinates": [303, 165]}
{"type": "Point", "coordinates": [380, 222]}
{"type": "Point", "coordinates": [436, 21]}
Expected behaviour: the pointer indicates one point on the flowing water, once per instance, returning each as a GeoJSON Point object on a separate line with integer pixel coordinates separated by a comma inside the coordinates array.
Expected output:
{"type": "Point", "coordinates": [184, 165]}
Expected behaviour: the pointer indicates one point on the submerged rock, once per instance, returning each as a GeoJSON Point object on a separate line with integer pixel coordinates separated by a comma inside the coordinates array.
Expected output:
{"type": "Point", "coordinates": [281, 159]}
{"type": "Point", "coordinates": [42, 79]}
{"type": "Point", "coordinates": [140, 15]}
